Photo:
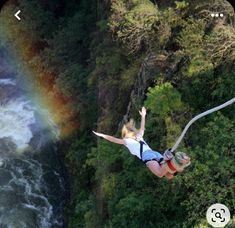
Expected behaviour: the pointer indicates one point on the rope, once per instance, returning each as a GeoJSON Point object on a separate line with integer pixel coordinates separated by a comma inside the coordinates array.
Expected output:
{"type": "Point", "coordinates": [198, 117]}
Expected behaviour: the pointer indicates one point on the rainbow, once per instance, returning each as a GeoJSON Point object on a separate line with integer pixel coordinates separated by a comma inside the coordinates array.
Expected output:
{"type": "Point", "coordinates": [22, 44]}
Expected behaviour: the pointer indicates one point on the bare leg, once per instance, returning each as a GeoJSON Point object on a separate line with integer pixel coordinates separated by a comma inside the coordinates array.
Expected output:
{"type": "Point", "coordinates": [156, 169]}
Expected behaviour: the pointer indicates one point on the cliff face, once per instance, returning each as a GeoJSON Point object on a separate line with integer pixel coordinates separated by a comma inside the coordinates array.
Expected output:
{"type": "Point", "coordinates": [109, 95]}
{"type": "Point", "coordinates": [152, 65]}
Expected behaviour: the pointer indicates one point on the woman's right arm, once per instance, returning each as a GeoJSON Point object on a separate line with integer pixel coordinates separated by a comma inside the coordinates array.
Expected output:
{"type": "Point", "coordinates": [110, 138]}
{"type": "Point", "coordinates": [142, 124]}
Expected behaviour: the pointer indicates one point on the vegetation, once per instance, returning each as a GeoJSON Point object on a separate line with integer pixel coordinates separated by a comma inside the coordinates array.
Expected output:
{"type": "Point", "coordinates": [92, 55]}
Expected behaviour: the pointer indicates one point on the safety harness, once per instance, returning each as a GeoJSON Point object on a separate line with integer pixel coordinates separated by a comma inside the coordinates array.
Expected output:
{"type": "Point", "coordinates": [171, 166]}
{"type": "Point", "coordinates": [175, 164]}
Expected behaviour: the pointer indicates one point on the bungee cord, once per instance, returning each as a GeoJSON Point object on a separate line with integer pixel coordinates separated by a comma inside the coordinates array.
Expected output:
{"type": "Point", "coordinates": [231, 101]}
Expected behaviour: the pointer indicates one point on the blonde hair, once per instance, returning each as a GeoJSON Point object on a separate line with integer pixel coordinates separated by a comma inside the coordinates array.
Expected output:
{"type": "Point", "coordinates": [129, 130]}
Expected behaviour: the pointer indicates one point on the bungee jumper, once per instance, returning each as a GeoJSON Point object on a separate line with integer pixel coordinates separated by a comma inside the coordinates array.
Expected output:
{"type": "Point", "coordinates": [160, 165]}
{"type": "Point", "coordinates": [166, 165]}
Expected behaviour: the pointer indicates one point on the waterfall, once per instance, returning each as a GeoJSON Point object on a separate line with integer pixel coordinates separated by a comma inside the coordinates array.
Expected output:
{"type": "Point", "coordinates": [32, 191]}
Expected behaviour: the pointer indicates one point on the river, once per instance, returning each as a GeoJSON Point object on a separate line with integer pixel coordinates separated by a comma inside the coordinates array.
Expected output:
{"type": "Point", "coordinates": [32, 186]}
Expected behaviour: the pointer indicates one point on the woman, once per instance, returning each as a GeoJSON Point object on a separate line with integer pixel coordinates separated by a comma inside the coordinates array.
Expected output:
{"type": "Point", "coordinates": [133, 140]}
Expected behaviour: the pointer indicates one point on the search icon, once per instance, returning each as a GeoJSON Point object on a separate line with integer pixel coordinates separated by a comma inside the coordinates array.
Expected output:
{"type": "Point", "coordinates": [218, 215]}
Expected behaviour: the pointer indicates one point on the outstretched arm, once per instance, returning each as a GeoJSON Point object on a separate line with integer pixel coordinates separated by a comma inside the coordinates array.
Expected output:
{"type": "Point", "coordinates": [142, 124]}
{"type": "Point", "coordinates": [109, 138]}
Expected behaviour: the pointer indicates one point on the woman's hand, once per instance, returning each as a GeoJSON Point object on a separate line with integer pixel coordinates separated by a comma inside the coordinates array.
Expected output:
{"type": "Point", "coordinates": [143, 112]}
{"type": "Point", "coordinates": [99, 134]}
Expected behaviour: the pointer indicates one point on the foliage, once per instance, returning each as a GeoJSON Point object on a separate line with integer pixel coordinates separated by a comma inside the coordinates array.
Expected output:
{"type": "Point", "coordinates": [93, 54]}
{"type": "Point", "coordinates": [163, 99]}
{"type": "Point", "coordinates": [138, 24]}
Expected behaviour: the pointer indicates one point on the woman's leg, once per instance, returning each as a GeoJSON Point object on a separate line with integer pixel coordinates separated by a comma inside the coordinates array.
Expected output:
{"type": "Point", "coordinates": [156, 169]}
{"type": "Point", "coordinates": [169, 176]}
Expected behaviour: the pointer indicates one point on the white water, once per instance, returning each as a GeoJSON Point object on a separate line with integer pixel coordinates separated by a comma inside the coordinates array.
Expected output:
{"type": "Point", "coordinates": [32, 204]}
{"type": "Point", "coordinates": [15, 120]}
{"type": "Point", "coordinates": [26, 192]}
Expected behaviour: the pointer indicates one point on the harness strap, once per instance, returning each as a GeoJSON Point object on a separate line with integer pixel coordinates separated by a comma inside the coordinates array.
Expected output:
{"type": "Point", "coordinates": [141, 148]}
{"type": "Point", "coordinates": [171, 166]}
{"type": "Point", "coordinates": [154, 159]}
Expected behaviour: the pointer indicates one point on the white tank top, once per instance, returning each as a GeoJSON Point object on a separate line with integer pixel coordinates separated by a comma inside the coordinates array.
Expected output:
{"type": "Point", "coordinates": [134, 146]}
